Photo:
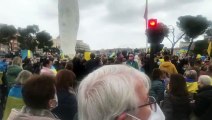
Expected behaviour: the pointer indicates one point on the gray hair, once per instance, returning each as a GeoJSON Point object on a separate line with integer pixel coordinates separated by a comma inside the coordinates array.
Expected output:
{"type": "Point", "coordinates": [109, 91]}
{"type": "Point", "coordinates": [17, 61]}
{"type": "Point", "coordinates": [192, 74]}
{"type": "Point", "coordinates": [23, 76]}
{"type": "Point", "coordinates": [205, 80]}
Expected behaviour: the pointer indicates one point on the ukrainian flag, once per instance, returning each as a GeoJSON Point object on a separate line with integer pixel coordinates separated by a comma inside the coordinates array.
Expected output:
{"type": "Point", "coordinates": [53, 69]}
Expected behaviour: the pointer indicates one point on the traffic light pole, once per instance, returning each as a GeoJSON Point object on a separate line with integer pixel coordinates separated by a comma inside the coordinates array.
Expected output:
{"type": "Point", "coordinates": [152, 53]}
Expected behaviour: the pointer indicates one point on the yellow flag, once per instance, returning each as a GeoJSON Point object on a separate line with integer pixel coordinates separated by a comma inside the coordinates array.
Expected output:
{"type": "Point", "coordinates": [87, 55]}
{"type": "Point", "coordinates": [28, 54]}
{"type": "Point", "coordinates": [209, 48]}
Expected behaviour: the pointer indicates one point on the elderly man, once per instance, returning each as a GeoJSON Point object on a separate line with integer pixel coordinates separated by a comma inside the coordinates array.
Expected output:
{"type": "Point", "coordinates": [203, 101]}
{"type": "Point", "coordinates": [117, 92]}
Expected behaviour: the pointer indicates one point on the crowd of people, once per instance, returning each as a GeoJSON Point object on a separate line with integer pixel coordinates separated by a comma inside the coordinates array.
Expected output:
{"type": "Point", "coordinates": [121, 87]}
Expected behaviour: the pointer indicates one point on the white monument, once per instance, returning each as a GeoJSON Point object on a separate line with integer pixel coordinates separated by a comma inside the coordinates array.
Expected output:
{"type": "Point", "coordinates": [68, 11]}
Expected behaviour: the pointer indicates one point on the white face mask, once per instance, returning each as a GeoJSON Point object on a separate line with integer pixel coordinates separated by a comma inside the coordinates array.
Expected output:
{"type": "Point", "coordinates": [158, 115]}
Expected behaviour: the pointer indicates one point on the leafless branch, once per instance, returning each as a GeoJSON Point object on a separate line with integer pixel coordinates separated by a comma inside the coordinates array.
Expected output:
{"type": "Point", "coordinates": [179, 38]}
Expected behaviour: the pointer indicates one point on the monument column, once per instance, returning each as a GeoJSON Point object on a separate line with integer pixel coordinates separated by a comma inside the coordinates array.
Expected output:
{"type": "Point", "coordinates": [68, 12]}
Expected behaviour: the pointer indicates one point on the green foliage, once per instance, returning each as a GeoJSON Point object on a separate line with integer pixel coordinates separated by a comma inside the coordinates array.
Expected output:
{"type": "Point", "coordinates": [27, 38]}
{"type": "Point", "coordinates": [44, 39]}
{"type": "Point", "coordinates": [30, 38]}
{"type": "Point", "coordinates": [209, 32]}
{"type": "Point", "coordinates": [193, 26]}
{"type": "Point", "coordinates": [7, 32]}
{"type": "Point", "coordinates": [201, 47]}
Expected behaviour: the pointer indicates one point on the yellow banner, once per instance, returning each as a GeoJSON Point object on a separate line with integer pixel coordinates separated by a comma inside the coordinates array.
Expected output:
{"type": "Point", "coordinates": [209, 48]}
{"type": "Point", "coordinates": [87, 55]}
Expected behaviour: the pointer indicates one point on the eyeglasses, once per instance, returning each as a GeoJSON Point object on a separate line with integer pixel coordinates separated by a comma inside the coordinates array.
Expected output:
{"type": "Point", "coordinates": [151, 102]}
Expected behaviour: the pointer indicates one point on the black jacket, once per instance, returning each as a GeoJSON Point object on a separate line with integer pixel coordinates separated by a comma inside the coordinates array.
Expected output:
{"type": "Point", "coordinates": [203, 103]}
{"type": "Point", "coordinates": [91, 65]}
{"type": "Point", "coordinates": [176, 108]}
{"type": "Point", "coordinates": [67, 105]}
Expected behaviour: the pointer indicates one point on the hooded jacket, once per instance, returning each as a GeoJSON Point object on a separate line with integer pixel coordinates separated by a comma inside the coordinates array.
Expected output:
{"type": "Point", "coordinates": [29, 114]}
{"type": "Point", "coordinates": [168, 67]}
{"type": "Point", "coordinates": [12, 73]}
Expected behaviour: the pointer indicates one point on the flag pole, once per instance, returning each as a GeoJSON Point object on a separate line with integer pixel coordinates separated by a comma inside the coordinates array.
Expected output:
{"type": "Point", "coordinates": [146, 19]}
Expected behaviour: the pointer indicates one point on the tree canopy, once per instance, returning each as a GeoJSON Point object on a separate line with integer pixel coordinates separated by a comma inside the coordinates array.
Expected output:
{"type": "Point", "coordinates": [27, 38]}
{"type": "Point", "coordinates": [7, 33]}
{"type": "Point", "coordinates": [193, 26]}
{"type": "Point", "coordinates": [30, 38]}
{"type": "Point", "coordinates": [44, 40]}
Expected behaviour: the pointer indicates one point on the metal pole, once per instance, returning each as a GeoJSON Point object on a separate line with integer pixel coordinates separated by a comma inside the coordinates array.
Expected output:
{"type": "Point", "coordinates": [147, 24]}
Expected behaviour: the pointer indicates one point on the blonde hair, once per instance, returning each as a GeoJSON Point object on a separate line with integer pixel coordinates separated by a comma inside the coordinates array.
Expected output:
{"type": "Point", "coordinates": [23, 76]}
{"type": "Point", "coordinates": [17, 61]}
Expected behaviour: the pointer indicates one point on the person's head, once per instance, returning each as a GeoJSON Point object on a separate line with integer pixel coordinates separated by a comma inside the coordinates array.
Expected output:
{"type": "Point", "coordinates": [166, 58]}
{"type": "Point", "coordinates": [177, 85]}
{"type": "Point", "coordinates": [156, 74]}
{"type": "Point", "coordinates": [39, 92]}
{"type": "Point", "coordinates": [69, 65]}
{"type": "Point", "coordinates": [114, 92]}
{"type": "Point", "coordinates": [17, 61]}
{"type": "Point", "coordinates": [92, 56]}
{"type": "Point", "coordinates": [47, 63]}
{"type": "Point", "coordinates": [27, 61]}
{"type": "Point", "coordinates": [191, 74]}
{"type": "Point", "coordinates": [23, 76]}
{"type": "Point", "coordinates": [131, 57]}
{"type": "Point", "coordinates": [204, 80]}
{"type": "Point", "coordinates": [65, 79]}
{"type": "Point", "coordinates": [164, 75]}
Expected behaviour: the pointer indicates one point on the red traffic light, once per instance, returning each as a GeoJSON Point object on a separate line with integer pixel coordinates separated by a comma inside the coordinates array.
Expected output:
{"type": "Point", "coordinates": [152, 23]}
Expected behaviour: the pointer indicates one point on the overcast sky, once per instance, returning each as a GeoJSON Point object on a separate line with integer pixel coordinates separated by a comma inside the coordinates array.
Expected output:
{"type": "Point", "coordinates": [103, 23]}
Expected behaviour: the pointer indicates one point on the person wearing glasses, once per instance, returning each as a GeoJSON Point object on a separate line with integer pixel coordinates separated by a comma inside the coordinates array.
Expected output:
{"type": "Point", "coordinates": [117, 92]}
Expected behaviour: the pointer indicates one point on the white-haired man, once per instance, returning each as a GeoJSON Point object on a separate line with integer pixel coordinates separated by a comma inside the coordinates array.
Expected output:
{"type": "Point", "coordinates": [203, 100]}
{"type": "Point", "coordinates": [117, 92]}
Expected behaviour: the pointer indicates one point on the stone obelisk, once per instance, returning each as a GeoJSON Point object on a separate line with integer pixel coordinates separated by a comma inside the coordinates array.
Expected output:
{"type": "Point", "coordinates": [68, 11]}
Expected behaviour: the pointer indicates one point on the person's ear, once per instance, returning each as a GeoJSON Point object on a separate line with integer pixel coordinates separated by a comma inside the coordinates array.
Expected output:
{"type": "Point", "coordinates": [123, 116]}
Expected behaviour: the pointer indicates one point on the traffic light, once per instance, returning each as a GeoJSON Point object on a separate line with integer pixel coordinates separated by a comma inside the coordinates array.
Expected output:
{"type": "Point", "coordinates": [152, 23]}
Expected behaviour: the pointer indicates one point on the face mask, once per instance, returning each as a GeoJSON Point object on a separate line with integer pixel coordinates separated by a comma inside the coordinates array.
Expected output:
{"type": "Point", "coordinates": [158, 115]}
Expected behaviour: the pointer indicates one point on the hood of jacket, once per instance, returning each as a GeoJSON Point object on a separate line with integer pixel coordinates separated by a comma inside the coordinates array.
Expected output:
{"type": "Point", "coordinates": [26, 114]}
{"type": "Point", "coordinates": [166, 64]}
{"type": "Point", "coordinates": [13, 70]}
